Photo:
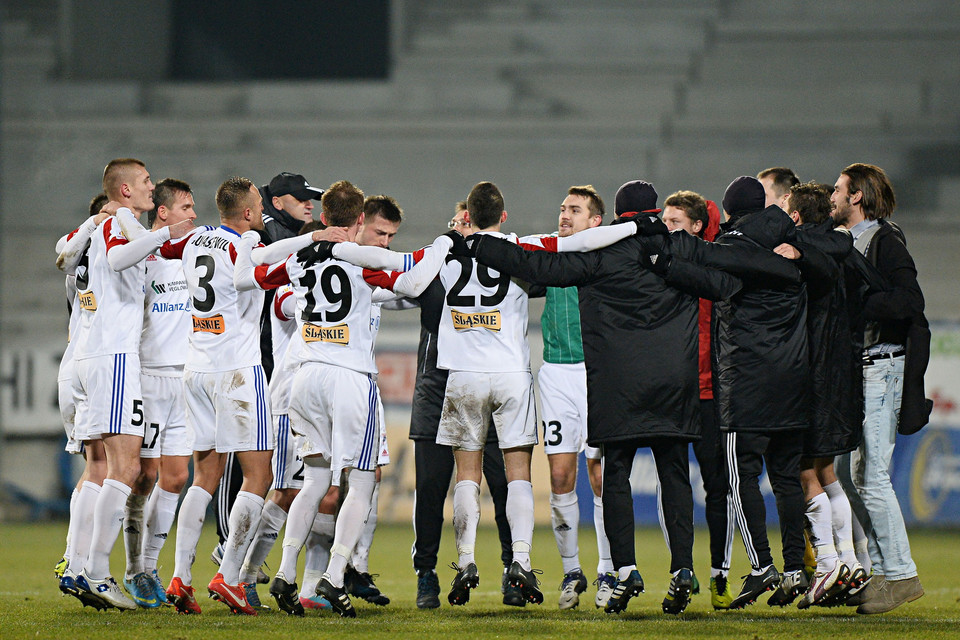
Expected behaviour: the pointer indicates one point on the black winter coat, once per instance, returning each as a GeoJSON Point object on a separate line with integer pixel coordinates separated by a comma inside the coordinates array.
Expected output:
{"type": "Point", "coordinates": [639, 332]}
{"type": "Point", "coordinates": [761, 359]}
{"type": "Point", "coordinates": [835, 331]}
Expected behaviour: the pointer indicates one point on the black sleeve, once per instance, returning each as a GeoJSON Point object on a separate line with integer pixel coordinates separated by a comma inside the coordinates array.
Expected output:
{"type": "Point", "coordinates": [754, 265]}
{"type": "Point", "coordinates": [868, 274]}
{"type": "Point", "coordinates": [431, 306]}
{"type": "Point", "coordinates": [538, 267]}
{"type": "Point", "coordinates": [819, 270]}
{"type": "Point", "coordinates": [702, 282]}
{"type": "Point", "coordinates": [903, 299]}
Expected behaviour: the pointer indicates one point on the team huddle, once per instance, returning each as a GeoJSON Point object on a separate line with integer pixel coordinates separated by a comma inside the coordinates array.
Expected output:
{"type": "Point", "coordinates": [790, 338]}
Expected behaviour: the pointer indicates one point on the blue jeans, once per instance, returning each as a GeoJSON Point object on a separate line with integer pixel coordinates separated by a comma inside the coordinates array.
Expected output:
{"type": "Point", "coordinates": [865, 473]}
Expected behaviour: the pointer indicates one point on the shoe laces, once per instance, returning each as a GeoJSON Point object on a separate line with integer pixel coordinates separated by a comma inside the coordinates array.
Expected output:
{"type": "Point", "coordinates": [607, 579]}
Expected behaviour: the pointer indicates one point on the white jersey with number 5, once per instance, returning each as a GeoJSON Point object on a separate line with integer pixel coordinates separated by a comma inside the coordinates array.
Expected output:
{"type": "Point", "coordinates": [334, 323]}
{"type": "Point", "coordinates": [226, 322]}
{"type": "Point", "coordinates": [484, 323]}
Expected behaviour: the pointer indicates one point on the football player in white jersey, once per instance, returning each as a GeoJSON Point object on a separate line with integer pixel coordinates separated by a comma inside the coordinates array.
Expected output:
{"type": "Point", "coordinates": [83, 498]}
{"type": "Point", "coordinates": [109, 404]}
{"type": "Point", "coordinates": [166, 450]}
{"type": "Point", "coordinates": [334, 398]}
{"type": "Point", "coordinates": [226, 400]}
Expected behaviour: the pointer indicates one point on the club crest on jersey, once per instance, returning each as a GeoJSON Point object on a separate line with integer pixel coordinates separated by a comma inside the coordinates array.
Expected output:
{"type": "Point", "coordinates": [464, 321]}
{"type": "Point", "coordinates": [339, 334]}
{"type": "Point", "coordinates": [88, 301]}
{"type": "Point", "coordinates": [213, 324]}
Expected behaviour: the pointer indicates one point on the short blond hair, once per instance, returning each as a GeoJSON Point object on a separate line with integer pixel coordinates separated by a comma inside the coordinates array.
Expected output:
{"type": "Point", "coordinates": [116, 173]}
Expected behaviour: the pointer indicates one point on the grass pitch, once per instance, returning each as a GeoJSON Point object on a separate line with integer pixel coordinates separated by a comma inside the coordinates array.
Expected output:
{"type": "Point", "coordinates": [31, 605]}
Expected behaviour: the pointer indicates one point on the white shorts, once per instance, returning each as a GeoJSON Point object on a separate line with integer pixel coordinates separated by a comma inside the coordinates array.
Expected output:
{"type": "Point", "coordinates": [335, 411]}
{"type": "Point", "coordinates": [68, 408]}
{"type": "Point", "coordinates": [228, 410]}
{"type": "Point", "coordinates": [563, 403]}
{"type": "Point", "coordinates": [106, 392]}
{"type": "Point", "coordinates": [165, 431]}
{"type": "Point", "coordinates": [383, 457]}
{"type": "Point", "coordinates": [287, 465]}
{"type": "Point", "coordinates": [472, 399]}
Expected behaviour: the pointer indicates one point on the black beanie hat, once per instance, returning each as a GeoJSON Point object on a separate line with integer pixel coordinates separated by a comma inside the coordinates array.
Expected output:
{"type": "Point", "coordinates": [744, 195]}
{"type": "Point", "coordinates": [635, 196]}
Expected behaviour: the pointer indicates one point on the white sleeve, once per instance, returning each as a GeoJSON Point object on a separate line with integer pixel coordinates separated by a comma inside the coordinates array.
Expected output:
{"type": "Point", "coordinates": [281, 249]}
{"type": "Point", "coordinates": [129, 225]}
{"type": "Point", "coordinates": [244, 278]}
{"type": "Point", "coordinates": [375, 258]}
{"type": "Point", "coordinates": [595, 238]}
{"type": "Point", "coordinates": [62, 243]}
{"type": "Point", "coordinates": [72, 250]}
{"type": "Point", "coordinates": [125, 256]}
{"type": "Point", "coordinates": [416, 280]}
{"type": "Point", "coordinates": [288, 307]}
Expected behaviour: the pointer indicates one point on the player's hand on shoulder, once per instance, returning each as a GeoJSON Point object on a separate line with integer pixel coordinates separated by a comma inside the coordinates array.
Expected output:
{"type": "Point", "coordinates": [250, 237]}
{"type": "Point", "coordinates": [181, 229]}
{"type": "Point", "coordinates": [331, 234]}
{"type": "Point", "coordinates": [109, 209]}
{"type": "Point", "coordinates": [316, 252]}
{"type": "Point", "coordinates": [788, 251]}
{"type": "Point", "coordinates": [460, 246]}
{"type": "Point", "coordinates": [649, 225]}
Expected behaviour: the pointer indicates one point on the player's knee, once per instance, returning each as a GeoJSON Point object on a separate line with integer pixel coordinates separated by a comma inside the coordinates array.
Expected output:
{"type": "Point", "coordinates": [563, 480]}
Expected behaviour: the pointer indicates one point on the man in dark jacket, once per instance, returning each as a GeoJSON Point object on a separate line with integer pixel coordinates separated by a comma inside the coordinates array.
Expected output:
{"type": "Point", "coordinates": [762, 390]}
{"type": "Point", "coordinates": [638, 312]}
{"type": "Point", "coordinates": [863, 200]}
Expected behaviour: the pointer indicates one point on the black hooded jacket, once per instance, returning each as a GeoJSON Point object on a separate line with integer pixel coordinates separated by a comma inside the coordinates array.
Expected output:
{"type": "Point", "coordinates": [761, 359]}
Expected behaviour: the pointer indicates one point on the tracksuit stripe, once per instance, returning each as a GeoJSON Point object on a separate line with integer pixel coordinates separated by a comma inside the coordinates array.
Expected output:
{"type": "Point", "coordinates": [734, 476]}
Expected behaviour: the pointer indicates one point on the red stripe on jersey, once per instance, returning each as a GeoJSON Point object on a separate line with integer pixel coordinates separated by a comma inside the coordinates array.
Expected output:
{"type": "Point", "coordinates": [548, 243]}
{"type": "Point", "coordinates": [418, 255]}
{"type": "Point", "coordinates": [233, 253]}
{"type": "Point", "coordinates": [382, 279]}
{"type": "Point", "coordinates": [72, 233]}
{"type": "Point", "coordinates": [270, 276]}
{"type": "Point", "coordinates": [173, 249]}
{"type": "Point", "coordinates": [109, 238]}
{"type": "Point", "coordinates": [278, 305]}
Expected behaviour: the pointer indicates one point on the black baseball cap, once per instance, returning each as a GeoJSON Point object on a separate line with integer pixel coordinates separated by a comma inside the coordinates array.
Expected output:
{"type": "Point", "coordinates": [295, 185]}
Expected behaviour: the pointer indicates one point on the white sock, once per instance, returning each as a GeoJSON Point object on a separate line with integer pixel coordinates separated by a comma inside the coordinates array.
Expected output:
{"type": "Point", "coordinates": [350, 522]}
{"type": "Point", "coordinates": [189, 526]}
{"type": "Point", "coordinates": [271, 521]}
{"type": "Point", "coordinates": [318, 551]}
{"type": "Point", "coordinates": [361, 555]}
{"type": "Point", "coordinates": [841, 515]}
{"type": "Point", "coordinates": [605, 565]}
{"type": "Point", "coordinates": [624, 572]}
{"type": "Point", "coordinates": [861, 546]}
{"type": "Point", "coordinates": [821, 532]}
{"type": "Point", "coordinates": [565, 518]}
{"type": "Point", "coordinates": [73, 506]}
{"type": "Point", "coordinates": [303, 511]}
{"type": "Point", "coordinates": [466, 515]}
{"type": "Point", "coordinates": [158, 516]}
{"type": "Point", "coordinates": [81, 526]}
{"type": "Point", "coordinates": [132, 533]}
{"type": "Point", "coordinates": [520, 516]}
{"type": "Point", "coordinates": [244, 519]}
{"type": "Point", "coordinates": [762, 570]}
{"type": "Point", "coordinates": [107, 522]}
{"type": "Point", "coordinates": [716, 573]}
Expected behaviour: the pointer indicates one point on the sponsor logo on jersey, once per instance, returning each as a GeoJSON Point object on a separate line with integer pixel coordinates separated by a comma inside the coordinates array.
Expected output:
{"type": "Point", "coordinates": [168, 287]}
{"type": "Point", "coordinates": [167, 307]}
{"type": "Point", "coordinates": [213, 324]}
{"type": "Point", "coordinates": [464, 321]}
{"type": "Point", "coordinates": [87, 300]}
{"type": "Point", "coordinates": [339, 334]}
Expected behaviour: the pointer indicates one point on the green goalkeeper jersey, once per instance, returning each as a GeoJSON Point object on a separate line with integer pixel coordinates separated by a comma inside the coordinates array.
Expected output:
{"type": "Point", "coordinates": [560, 323]}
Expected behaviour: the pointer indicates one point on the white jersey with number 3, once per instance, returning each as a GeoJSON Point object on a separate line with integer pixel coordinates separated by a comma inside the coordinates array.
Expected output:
{"type": "Point", "coordinates": [484, 323]}
{"type": "Point", "coordinates": [226, 322]}
{"type": "Point", "coordinates": [334, 317]}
